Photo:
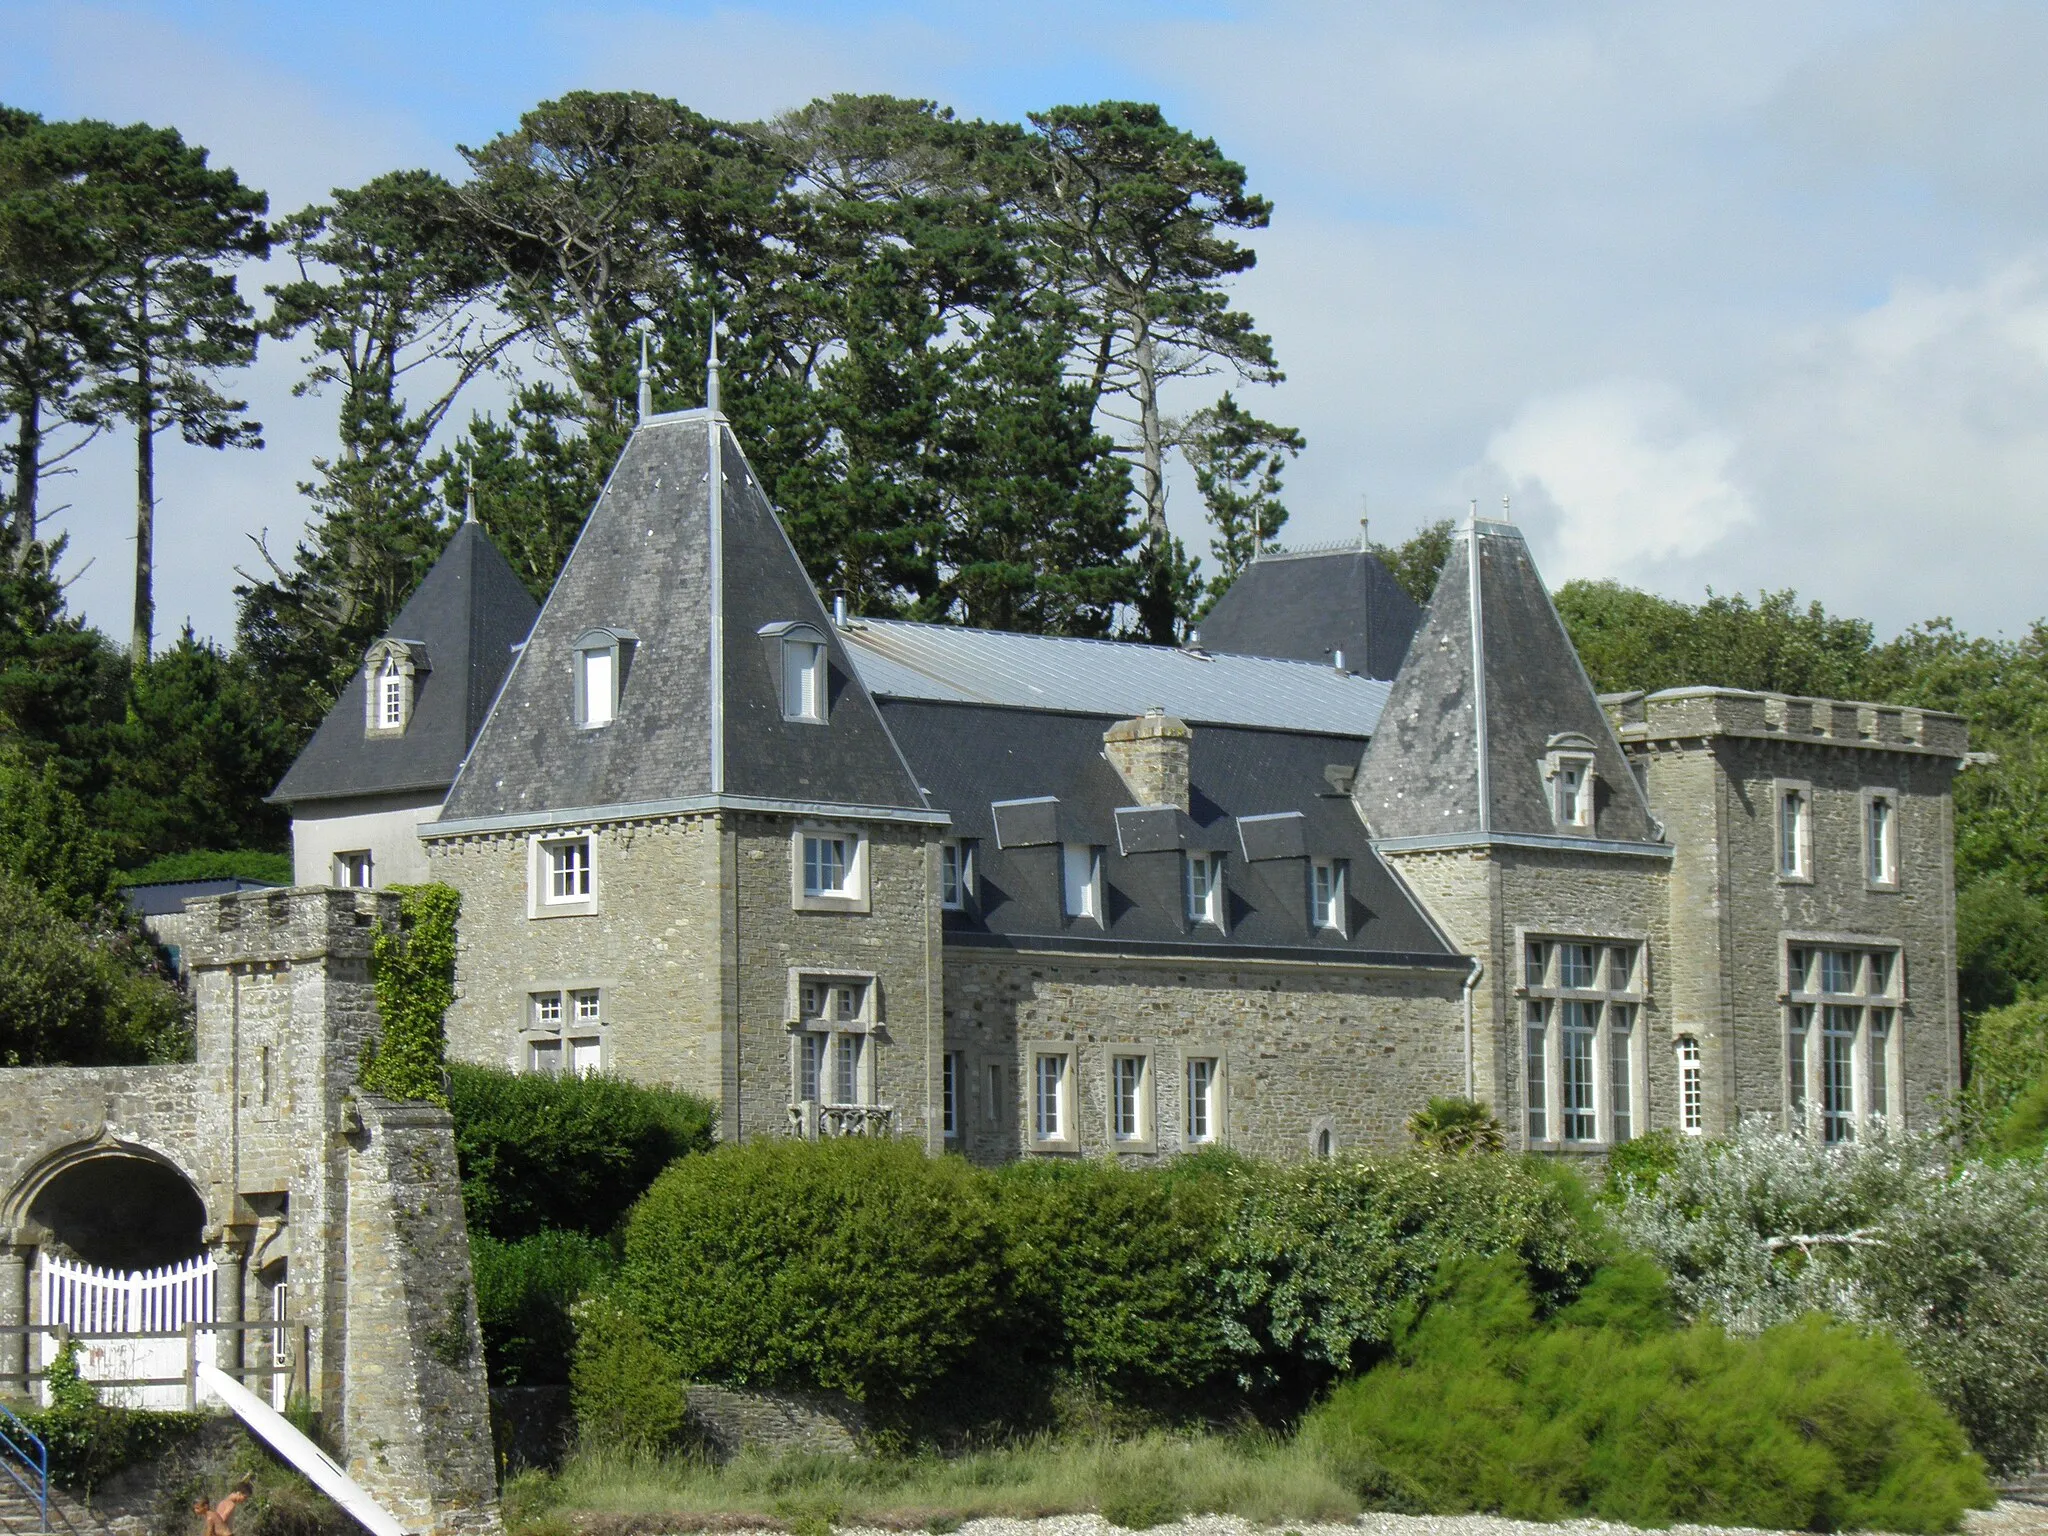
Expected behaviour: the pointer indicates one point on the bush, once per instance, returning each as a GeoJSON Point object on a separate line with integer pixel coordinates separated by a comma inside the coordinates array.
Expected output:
{"type": "Point", "coordinates": [2001, 943]}
{"type": "Point", "coordinates": [857, 1266]}
{"type": "Point", "coordinates": [1604, 1410]}
{"type": "Point", "coordinates": [1110, 1273]}
{"type": "Point", "coordinates": [568, 1154]}
{"type": "Point", "coordinates": [525, 1294]}
{"type": "Point", "coordinates": [1320, 1257]}
{"type": "Point", "coordinates": [229, 864]}
{"type": "Point", "coordinates": [2008, 1055]}
{"type": "Point", "coordinates": [1642, 1160]}
{"type": "Point", "coordinates": [80, 995]}
{"type": "Point", "coordinates": [89, 1441]}
{"type": "Point", "coordinates": [1758, 1231]}
{"type": "Point", "coordinates": [1456, 1125]}
{"type": "Point", "coordinates": [622, 1385]}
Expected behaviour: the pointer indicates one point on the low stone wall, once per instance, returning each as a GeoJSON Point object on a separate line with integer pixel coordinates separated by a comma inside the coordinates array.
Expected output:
{"type": "Point", "coordinates": [731, 1422]}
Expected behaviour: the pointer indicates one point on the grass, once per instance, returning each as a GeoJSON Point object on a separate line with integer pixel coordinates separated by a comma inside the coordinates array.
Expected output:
{"type": "Point", "coordinates": [1134, 1483]}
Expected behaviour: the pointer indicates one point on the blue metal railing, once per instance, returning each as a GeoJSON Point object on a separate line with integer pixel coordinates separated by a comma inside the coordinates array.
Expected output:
{"type": "Point", "coordinates": [30, 1469]}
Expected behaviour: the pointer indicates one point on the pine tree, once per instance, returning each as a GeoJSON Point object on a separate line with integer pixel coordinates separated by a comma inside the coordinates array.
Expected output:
{"type": "Point", "coordinates": [1238, 460]}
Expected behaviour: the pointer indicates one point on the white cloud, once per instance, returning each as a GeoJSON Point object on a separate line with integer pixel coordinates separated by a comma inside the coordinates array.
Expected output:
{"type": "Point", "coordinates": [1627, 475]}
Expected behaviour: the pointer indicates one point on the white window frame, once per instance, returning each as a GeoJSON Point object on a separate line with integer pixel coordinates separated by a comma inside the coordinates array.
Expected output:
{"type": "Point", "coordinates": [806, 676]}
{"type": "Point", "coordinates": [1335, 875]}
{"type": "Point", "coordinates": [1081, 882]}
{"type": "Point", "coordinates": [1880, 863]}
{"type": "Point", "coordinates": [346, 868]}
{"type": "Point", "coordinates": [1869, 1016]}
{"type": "Point", "coordinates": [1558, 769]}
{"type": "Point", "coordinates": [1219, 1097]}
{"type": "Point", "coordinates": [852, 896]}
{"type": "Point", "coordinates": [1063, 1121]}
{"type": "Point", "coordinates": [1692, 1086]}
{"type": "Point", "coordinates": [389, 662]}
{"type": "Point", "coordinates": [1794, 855]}
{"type": "Point", "coordinates": [581, 1014]}
{"type": "Point", "coordinates": [1141, 1134]}
{"type": "Point", "coordinates": [1617, 994]}
{"type": "Point", "coordinates": [593, 713]}
{"type": "Point", "coordinates": [540, 870]}
{"type": "Point", "coordinates": [952, 1095]}
{"type": "Point", "coordinates": [811, 1016]}
{"type": "Point", "coordinates": [1201, 879]}
{"type": "Point", "coordinates": [960, 852]}
{"type": "Point", "coordinates": [391, 691]}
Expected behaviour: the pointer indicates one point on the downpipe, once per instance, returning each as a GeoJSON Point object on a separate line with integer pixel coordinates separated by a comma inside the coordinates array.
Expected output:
{"type": "Point", "coordinates": [1471, 986]}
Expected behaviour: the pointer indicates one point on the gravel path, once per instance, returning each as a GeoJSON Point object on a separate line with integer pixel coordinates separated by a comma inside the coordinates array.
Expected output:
{"type": "Point", "coordinates": [2009, 1518]}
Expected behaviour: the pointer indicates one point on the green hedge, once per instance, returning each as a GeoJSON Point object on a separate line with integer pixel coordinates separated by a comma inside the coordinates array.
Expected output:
{"type": "Point", "coordinates": [1606, 1409]}
{"type": "Point", "coordinates": [856, 1266]}
{"type": "Point", "coordinates": [545, 1153]}
{"type": "Point", "coordinates": [526, 1293]}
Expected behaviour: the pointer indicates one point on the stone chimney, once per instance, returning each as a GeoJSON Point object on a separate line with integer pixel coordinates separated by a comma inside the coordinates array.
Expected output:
{"type": "Point", "coordinates": [1150, 753]}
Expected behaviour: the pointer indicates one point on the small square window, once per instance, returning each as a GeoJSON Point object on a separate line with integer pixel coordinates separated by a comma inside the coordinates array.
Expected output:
{"type": "Point", "coordinates": [547, 1010]}
{"type": "Point", "coordinates": [829, 870]}
{"type": "Point", "coordinates": [354, 871]}
{"type": "Point", "coordinates": [568, 869]}
{"type": "Point", "coordinates": [1575, 965]}
{"type": "Point", "coordinates": [827, 865]}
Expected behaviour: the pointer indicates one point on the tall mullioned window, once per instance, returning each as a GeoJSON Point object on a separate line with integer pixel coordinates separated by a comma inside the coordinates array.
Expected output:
{"type": "Point", "coordinates": [1581, 1056]}
{"type": "Point", "coordinates": [1692, 1099]}
{"type": "Point", "coordinates": [1795, 832]}
{"type": "Point", "coordinates": [1128, 1091]}
{"type": "Point", "coordinates": [1201, 1105]}
{"type": "Point", "coordinates": [1841, 1023]}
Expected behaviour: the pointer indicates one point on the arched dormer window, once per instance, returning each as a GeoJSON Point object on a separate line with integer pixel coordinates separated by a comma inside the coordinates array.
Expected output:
{"type": "Point", "coordinates": [797, 653]}
{"type": "Point", "coordinates": [391, 670]}
{"type": "Point", "coordinates": [603, 658]}
{"type": "Point", "coordinates": [1568, 780]}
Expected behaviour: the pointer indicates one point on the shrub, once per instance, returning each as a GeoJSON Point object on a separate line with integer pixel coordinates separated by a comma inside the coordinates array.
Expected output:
{"type": "Point", "coordinates": [79, 994]}
{"type": "Point", "coordinates": [1320, 1257]}
{"type": "Point", "coordinates": [2001, 943]}
{"type": "Point", "coordinates": [1641, 1160]}
{"type": "Point", "coordinates": [413, 971]}
{"type": "Point", "coordinates": [89, 1441]}
{"type": "Point", "coordinates": [622, 1385]}
{"type": "Point", "coordinates": [2008, 1055]}
{"type": "Point", "coordinates": [1605, 1410]}
{"type": "Point", "coordinates": [229, 864]}
{"type": "Point", "coordinates": [857, 1266]}
{"type": "Point", "coordinates": [1759, 1230]}
{"type": "Point", "coordinates": [571, 1154]}
{"type": "Point", "coordinates": [1456, 1125]}
{"type": "Point", "coordinates": [525, 1293]}
{"type": "Point", "coordinates": [1110, 1272]}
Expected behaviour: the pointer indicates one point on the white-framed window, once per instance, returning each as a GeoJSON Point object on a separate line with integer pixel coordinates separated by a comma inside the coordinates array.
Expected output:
{"type": "Point", "coordinates": [1793, 808]}
{"type": "Point", "coordinates": [1572, 792]}
{"type": "Point", "coordinates": [1202, 1121]}
{"type": "Point", "coordinates": [391, 691]}
{"type": "Point", "coordinates": [1327, 879]}
{"type": "Point", "coordinates": [1692, 1098]}
{"type": "Point", "coordinates": [355, 870]}
{"type": "Point", "coordinates": [1581, 1055]}
{"type": "Point", "coordinates": [602, 659]}
{"type": "Point", "coordinates": [829, 869]}
{"type": "Point", "coordinates": [951, 1082]}
{"type": "Point", "coordinates": [956, 873]}
{"type": "Point", "coordinates": [1051, 1102]}
{"type": "Point", "coordinates": [1081, 881]}
{"type": "Point", "coordinates": [1202, 883]}
{"type": "Point", "coordinates": [567, 862]}
{"type": "Point", "coordinates": [1881, 839]}
{"type": "Point", "coordinates": [565, 1029]}
{"type": "Point", "coordinates": [1842, 1004]}
{"type": "Point", "coordinates": [832, 1047]}
{"type": "Point", "coordinates": [803, 677]}
{"type": "Point", "coordinates": [1130, 1099]}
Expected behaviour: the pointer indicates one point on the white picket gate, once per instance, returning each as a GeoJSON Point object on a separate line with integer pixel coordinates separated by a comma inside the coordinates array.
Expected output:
{"type": "Point", "coordinates": [88, 1301]}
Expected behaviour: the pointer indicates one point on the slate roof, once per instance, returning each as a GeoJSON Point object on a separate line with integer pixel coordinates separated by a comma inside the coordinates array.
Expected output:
{"type": "Point", "coordinates": [969, 756]}
{"type": "Point", "coordinates": [695, 576]}
{"type": "Point", "coordinates": [943, 663]}
{"type": "Point", "coordinates": [1421, 774]}
{"type": "Point", "coordinates": [468, 613]}
{"type": "Point", "coordinates": [1313, 603]}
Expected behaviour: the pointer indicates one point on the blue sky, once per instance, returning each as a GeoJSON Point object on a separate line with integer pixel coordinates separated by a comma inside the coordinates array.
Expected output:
{"type": "Point", "coordinates": [1744, 295]}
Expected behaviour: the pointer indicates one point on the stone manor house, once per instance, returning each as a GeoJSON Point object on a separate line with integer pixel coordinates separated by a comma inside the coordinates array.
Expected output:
{"type": "Point", "coordinates": [1016, 895]}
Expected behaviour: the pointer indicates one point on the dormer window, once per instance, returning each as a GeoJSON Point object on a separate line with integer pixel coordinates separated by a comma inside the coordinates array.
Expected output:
{"type": "Point", "coordinates": [390, 669]}
{"type": "Point", "coordinates": [1568, 777]}
{"type": "Point", "coordinates": [798, 654]}
{"type": "Point", "coordinates": [603, 657]}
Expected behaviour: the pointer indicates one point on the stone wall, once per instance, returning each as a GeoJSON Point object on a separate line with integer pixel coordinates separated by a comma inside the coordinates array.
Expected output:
{"type": "Point", "coordinates": [416, 1416]}
{"type": "Point", "coordinates": [774, 1422]}
{"type": "Point", "coordinates": [1355, 1050]}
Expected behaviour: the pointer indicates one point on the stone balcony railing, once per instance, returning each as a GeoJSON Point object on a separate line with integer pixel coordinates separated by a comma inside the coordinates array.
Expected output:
{"type": "Point", "coordinates": [813, 1121]}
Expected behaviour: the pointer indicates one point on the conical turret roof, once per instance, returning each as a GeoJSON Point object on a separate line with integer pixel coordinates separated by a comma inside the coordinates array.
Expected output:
{"type": "Point", "coordinates": [1490, 691]}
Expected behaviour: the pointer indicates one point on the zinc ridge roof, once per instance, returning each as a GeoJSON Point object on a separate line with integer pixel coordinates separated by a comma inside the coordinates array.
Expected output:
{"type": "Point", "coordinates": [942, 663]}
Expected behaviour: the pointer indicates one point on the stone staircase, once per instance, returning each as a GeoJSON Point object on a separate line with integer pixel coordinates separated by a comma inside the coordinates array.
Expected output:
{"type": "Point", "coordinates": [69, 1515]}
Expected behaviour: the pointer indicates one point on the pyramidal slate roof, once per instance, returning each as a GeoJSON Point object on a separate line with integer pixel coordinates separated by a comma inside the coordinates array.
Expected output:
{"type": "Point", "coordinates": [1490, 683]}
{"type": "Point", "coordinates": [684, 553]}
{"type": "Point", "coordinates": [468, 614]}
{"type": "Point", "coordinates": [1310, 604]}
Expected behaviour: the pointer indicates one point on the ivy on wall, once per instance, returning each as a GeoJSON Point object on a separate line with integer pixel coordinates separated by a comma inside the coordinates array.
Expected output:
{"type": "Point", "coordinates": [412, 968]}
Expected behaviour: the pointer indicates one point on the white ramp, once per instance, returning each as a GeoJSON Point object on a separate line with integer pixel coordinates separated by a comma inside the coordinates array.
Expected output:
{"type": "Point", "coordinates": [323, 1469]}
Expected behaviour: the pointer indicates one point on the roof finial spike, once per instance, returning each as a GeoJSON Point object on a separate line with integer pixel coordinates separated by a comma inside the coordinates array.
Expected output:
{"type": "Point", "coordinates": [711, 368]}
{"type": "Point", "coordinates": [1364, 540]}
{"type": "Point", "coordinates": [1472, 516]}
{"type": "Point", "coordinates": [646, 373]}
{"type": "Point", "coordinates": [469, 503]}
{"type": "Point", "coordinates": [1504, 517]}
